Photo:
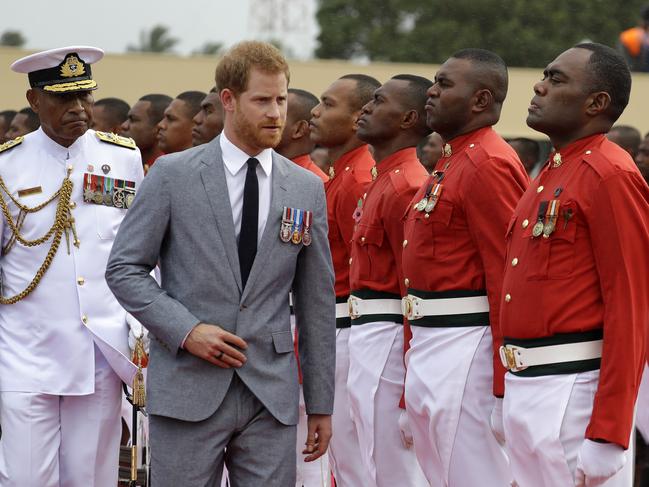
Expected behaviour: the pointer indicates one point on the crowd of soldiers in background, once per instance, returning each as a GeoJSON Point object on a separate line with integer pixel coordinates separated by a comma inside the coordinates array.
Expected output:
{"type": "Point", "coordinates": [161, 125]}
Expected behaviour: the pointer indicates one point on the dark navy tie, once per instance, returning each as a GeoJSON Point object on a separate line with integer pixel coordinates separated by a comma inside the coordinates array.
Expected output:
{"type": "Point", "coordinates": [249, 221]}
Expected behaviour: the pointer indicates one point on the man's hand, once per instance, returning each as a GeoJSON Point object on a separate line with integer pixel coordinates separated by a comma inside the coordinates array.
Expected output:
{"type": "Point", "coordinates": [318, 436]}
{"type": "Point", "coordinates": [598, 462]}
{"type": "Point", "coordinates": [217, 346]}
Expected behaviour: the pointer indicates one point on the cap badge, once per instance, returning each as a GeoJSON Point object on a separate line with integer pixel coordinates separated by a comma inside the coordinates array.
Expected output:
{"type": "Point", "coordinates": [72, 66]}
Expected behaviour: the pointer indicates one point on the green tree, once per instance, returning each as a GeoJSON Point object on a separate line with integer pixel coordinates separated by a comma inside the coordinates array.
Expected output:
{"type": "Point", "coordinates": [12, 38]}
{"type": "Point", "coordinates": [155, 40]}
{"type": "Point", "coordinates": [524, 33]}
{"type": "Point", "coordinates": [210, 49]}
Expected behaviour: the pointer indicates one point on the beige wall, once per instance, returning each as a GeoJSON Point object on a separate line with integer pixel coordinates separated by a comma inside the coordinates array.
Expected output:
{"type": "Point", "coordinates": [129, 76]}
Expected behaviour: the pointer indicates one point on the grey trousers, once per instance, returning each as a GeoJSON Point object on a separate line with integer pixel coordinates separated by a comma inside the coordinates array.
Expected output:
{"type": "Point", "coordinates": [258, 450]}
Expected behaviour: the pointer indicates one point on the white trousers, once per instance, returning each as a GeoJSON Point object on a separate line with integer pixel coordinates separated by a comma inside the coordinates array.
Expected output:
{"type": "Point", "coordinates": [545, 419]}
{"type": "Point", "coordinates": [62, 441]}
{"type": "Point", "coordinates": [449, 401]}
{"type": "Point", "coordinates": [344, 449]}
{"type": "Point", "coordinates": [375, 385]}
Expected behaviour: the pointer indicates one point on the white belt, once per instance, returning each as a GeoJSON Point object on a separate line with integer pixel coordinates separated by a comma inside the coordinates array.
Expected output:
{"type": "Point", "coordinates": [342, 310]}
{"type": "Point", "coordinates": [360, 307]}
{"type": "Point", "coordinates": [414, 307]}
{"type": "Point", "coordinates": [518, 358]}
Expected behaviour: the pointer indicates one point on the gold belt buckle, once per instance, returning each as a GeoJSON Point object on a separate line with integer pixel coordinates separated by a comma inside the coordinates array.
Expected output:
{"type": "Point", "coordinates": [510, 358]}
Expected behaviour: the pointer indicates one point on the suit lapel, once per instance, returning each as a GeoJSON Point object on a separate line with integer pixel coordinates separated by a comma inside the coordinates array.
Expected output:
{"type": "Point", "coordinates": [213, 176]}
{"type": "Point", "coordinates": [270, 236]}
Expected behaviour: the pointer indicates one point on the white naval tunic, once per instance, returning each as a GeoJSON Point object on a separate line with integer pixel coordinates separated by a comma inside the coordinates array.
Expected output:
{"type": "Point", "coordinates": [47, 340]}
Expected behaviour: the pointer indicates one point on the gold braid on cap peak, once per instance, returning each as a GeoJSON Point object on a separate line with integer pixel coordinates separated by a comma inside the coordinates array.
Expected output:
{"type": "Point", "coordinates": [63, 222]}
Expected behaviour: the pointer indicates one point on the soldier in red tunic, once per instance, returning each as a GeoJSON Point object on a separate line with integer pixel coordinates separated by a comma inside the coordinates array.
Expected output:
{"type": "Point", "coordinates": [333, 126]}
{"type": "Point", "coordinates": [453, 260]}
{"type": "Point", "coordinates": [575, 302]}
{"type": "Point", "coordinates": [393, 123]}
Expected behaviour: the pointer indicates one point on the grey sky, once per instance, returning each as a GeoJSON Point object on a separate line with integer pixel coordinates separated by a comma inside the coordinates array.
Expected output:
{"type": "Point", "coordinates": [114, 24]}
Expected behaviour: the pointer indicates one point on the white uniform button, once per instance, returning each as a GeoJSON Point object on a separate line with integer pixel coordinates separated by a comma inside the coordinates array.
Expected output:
{"type": "Point", "coordinates": [350, 261]}
{"type": "Point", "coordinates": [396, 172]}
{"type": "Point", "coordinates": [588, 152]}
{"type": "Point", "coordinates": [514, 261]}
{"type": "Point", "coordinates": [539, 189]}
{"type": "Point", "coordinates": [81, 281]}
{"type": "Point", "coordinates": [362, 239]}
{"type": "Point", "coordinates": [526, 222]}
{"type": "Point", "coordinates": [347, 168]}
{"type": "Point", "coordinates": [406, 281]}
{"type": "Point", "coordinates": [405, 242]}
{"type": "Point", "coordinates": [508, 298]}
{"type": "Point", "coordinates": [427, 215]}
{"type": "Point", "coordinates": [84, 318]}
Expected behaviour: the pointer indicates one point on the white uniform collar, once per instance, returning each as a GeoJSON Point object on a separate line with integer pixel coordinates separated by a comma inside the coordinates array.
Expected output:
{"type": "Point", "coordinates": [234, 158]}
{"type": "Point", "coordinates": [58, 151]}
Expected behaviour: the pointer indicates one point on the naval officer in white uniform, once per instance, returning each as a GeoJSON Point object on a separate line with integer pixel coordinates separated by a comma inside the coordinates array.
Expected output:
{"type": "Point", "coordinates": [63, 337]}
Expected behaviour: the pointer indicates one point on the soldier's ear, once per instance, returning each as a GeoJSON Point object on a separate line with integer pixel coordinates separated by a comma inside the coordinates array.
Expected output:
{"type": "Point", "coordinates": [597, 103]}
{"type": "Point", "coordinates": [33, 99]}
{"type": "Point", "coordinates": [300, 129]}
{"type": "Point", "coordinates": [356, 116]}
{"type": "Point", "coordinates": [483, 100]}
{"type": "Point", "coordinates": [409, 119]}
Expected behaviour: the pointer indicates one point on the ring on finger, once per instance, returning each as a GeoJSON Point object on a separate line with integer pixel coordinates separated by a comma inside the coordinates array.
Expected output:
{"type": "Point", "coordinates": [220, 355]}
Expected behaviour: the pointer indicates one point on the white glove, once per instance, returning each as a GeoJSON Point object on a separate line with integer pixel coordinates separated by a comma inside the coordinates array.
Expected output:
{"type": "Point", "coordinates": [404, 430]}
{"type": "Point", "coordinates": [135, 330]}
{"type": "Point", "coordinates": [496, 421]}
{"type": "Point", "coordinates": [598, 462]}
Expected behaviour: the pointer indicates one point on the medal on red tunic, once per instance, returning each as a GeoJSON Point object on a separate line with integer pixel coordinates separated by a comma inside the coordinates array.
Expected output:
{"type": "Point", "coordinates": [434, 198]}
{"type": "Point", "coordinates": [306, 236]}
{"type": "Point", "coordinates": [287, 223]}
{"type": "Point", "coordinates": [537, 230]}
{"type": "Point", "coordinates": [421, 206]}
{"type": "Point", "coordinates": [551, 218]}
{"type": "Point", "coordinates": [374, 172]}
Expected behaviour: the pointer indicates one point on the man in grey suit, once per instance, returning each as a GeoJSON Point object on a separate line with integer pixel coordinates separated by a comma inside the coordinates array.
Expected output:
{"type": "Point", "coordinates": [234, 227]}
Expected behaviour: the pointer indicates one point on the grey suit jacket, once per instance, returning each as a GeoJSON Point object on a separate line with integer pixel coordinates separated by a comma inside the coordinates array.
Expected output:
{"type": "Point", "coordinates": [182, 219]}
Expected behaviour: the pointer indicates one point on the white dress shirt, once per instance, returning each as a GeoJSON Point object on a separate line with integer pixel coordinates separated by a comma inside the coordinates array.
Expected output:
{"type": "Point", "coordinates": [235, 161]}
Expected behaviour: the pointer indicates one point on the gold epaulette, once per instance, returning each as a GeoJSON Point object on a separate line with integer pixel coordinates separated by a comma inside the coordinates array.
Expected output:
{"type": "Point", "coordinates": [116, 139]}
{"type": "Point", "coordinates": [11, 144]}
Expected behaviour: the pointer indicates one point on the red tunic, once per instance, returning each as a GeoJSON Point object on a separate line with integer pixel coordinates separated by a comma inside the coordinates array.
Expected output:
{"type": "Point", "coordinates": [460, 245]}
{"type": "Point", "coordinates": [377, 240]}
{"type": "Point", "coordinates": [352, 175]}
{"type": "Point", "coordinates": [305, 162]}
{"type": "Point", "coordinates": [591, 273]}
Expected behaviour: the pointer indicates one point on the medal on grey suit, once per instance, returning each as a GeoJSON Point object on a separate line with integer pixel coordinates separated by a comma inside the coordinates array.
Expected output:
{"type": "Point", "coordinates": [297, 227]}
{"type": "Point", "coordinates": [306, 237]}
{"type": "Point", "coordinates": [287, 223]}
